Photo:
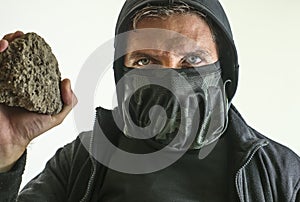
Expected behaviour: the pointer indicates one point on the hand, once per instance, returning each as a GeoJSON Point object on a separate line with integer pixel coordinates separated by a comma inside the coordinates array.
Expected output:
{"type": "Point", "coordinates": [19, 126]}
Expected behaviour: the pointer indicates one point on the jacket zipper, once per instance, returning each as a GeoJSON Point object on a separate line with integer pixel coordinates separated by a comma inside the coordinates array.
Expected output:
{"type": "Point", "coordinates": [265, 143]}
{"type": "Point", "coordinates": [93, 175]}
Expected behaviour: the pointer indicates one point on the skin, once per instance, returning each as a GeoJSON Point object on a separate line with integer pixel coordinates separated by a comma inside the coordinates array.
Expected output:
{"type": "Point", "coordinates": [189, 44]}
{"type": "Point", "coordinates": [18, 126]}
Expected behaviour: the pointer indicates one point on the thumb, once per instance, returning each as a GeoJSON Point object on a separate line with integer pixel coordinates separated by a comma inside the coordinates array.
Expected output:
{"type": "Point", "coordinates": [3, 45]}
{"type": "Point", "coordinates": [69, 100]}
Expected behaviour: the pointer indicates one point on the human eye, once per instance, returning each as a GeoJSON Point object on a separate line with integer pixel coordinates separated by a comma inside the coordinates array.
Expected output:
{"type": "Point", "coordinates": [192, 60]}
{"type": "Point", "coordinates": [142, 62]}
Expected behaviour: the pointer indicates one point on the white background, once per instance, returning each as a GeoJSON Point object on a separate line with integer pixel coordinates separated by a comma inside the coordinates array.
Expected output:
{"type": "Point", "coordinates": [266, 34]}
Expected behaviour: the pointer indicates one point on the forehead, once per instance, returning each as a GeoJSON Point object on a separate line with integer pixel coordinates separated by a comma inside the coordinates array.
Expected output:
{"type": "Point", "coordinates": [171, 33]}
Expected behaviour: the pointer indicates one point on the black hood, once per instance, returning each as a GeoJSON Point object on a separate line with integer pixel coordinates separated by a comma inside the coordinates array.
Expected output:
{"type": "Point", "coordinates": [213, 10]}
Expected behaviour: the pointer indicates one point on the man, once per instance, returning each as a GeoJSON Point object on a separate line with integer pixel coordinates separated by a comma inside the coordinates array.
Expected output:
{"type": "Point", "coordinates": [192, 42]}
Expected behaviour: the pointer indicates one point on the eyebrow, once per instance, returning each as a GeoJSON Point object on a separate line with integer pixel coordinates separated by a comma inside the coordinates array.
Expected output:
{"type": "Point", "coordinates": [137, 54]}
{"type": "Point", "coordinates": [203, 53]}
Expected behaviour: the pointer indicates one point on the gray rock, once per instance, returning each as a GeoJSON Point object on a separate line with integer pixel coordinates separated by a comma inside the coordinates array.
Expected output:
{"type": "Point", "coordinates": [29, 76]}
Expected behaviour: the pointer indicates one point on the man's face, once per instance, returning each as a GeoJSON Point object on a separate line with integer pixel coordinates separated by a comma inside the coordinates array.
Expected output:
{"type": "Point", "coordinates": [192, 47]}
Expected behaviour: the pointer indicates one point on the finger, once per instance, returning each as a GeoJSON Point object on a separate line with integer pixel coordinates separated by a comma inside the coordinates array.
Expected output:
{"type": "Point", "coordinates": [67, 93]}
{"type": "Point", "coordinates": [69, 100]}
{"type": "Point", "coordinates": [10, 37]}
{"type": "Point", "coordinates": [3, 45]}
{"type": "Point", "coordinates": [17, 34]}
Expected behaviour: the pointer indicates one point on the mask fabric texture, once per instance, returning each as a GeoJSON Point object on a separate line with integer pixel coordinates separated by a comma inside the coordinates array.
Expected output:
{"type": "Point", "coordinates": [179, 108]}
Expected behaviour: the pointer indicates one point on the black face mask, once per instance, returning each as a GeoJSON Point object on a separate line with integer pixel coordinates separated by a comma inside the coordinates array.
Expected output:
{"type": "Point", "coordinates": [181, 108]}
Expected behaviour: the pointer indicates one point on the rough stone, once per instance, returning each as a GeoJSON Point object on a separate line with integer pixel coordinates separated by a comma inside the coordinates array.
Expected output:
{"type": "Point", "coordinates": [29, 75]}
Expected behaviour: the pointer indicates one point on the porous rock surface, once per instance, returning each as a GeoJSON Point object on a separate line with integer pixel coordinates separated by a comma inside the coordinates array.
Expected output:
{"type": "Point", "coordinates": [29, 75]}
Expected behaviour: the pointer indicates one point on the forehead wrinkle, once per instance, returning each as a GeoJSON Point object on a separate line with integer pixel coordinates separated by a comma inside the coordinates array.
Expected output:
{"type": "Point", "coordinates": [182, 46]}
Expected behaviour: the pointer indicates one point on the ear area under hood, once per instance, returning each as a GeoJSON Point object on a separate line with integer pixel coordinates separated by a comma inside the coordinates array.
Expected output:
{"type": "Point", "coordinates": [213, 9]}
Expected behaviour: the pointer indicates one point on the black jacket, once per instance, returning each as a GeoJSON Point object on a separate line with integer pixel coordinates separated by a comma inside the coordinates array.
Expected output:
{"type": "Point", "coordinates": [261, 169]}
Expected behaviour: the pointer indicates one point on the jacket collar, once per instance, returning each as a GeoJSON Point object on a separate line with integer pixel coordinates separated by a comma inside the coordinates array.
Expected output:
{"type": "Point", "coordinates": [243, 140]}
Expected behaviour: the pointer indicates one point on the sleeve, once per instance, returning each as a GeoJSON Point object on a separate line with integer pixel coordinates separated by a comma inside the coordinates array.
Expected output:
{"type": "Point", "coordinates": [65, 174]}
{"type": "Point", "coordinates": [10, 181]}
{"type": "Point", "coordinates": [51, 184]}
{"type": "Point", "coordinates": [296, 197]}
